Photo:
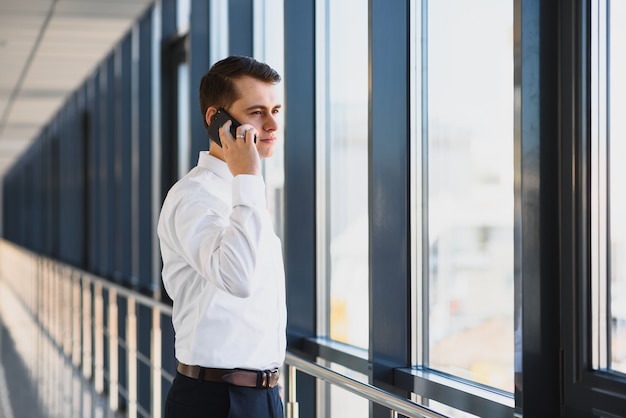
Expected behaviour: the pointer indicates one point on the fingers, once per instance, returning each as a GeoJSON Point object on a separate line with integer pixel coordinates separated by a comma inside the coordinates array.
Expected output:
{"type": "Point", "coordinates": [224, 133]}
{"type": "Point", "coordinates": [240, 152]}
{"type": "Point", "coordinates": [229, 137]}
{"type": "Point", "coordinates": [247, 133]}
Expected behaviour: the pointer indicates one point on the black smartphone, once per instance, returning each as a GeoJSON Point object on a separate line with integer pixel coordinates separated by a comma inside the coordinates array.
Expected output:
{"type": "Point", "coordinates": [220, 117]}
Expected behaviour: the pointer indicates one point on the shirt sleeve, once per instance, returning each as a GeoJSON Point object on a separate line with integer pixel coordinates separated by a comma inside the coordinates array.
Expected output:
{"type": "Point", "coordinates": [220, 243]}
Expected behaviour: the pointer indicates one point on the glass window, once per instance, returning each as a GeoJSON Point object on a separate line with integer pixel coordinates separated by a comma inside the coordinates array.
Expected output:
{"type": "Point", "coordinates": [183, 8]}
{"type": "Point", "coordinates": [342, 166]}
{"type": "Point", "coordinates": [268, 30]}
{"type": "Point", "coordinates": [344, 403]}
{"type": "Point", "coordinates": [608, 149]}
{"type": "Point", "coordinates": [183, 134]}
{"type": "Point", "coordinates": [617, 134]}
{"type": "Point", "coordinates": [467, 123]}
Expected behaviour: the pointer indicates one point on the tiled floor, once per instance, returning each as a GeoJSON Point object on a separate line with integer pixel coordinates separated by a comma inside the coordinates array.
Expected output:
{"type": "Point", "coordinates": [36, 380]}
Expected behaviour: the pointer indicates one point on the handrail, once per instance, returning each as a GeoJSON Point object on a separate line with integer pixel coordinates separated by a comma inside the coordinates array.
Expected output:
{"type": "Point", "coordinates": [69, 304]}
{"type": "Point", "coordinates": [77, 314]}
{"type": "Point", "coordinates": [371, 393]}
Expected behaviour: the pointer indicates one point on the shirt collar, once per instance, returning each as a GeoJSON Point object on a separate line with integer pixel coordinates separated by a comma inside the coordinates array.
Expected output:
{"type": "Point", "coordinates": [219, 167]}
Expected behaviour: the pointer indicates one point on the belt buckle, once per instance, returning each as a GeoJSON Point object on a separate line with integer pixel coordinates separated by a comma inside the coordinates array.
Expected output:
{"type": "Point", "coordinates": [263, 378]}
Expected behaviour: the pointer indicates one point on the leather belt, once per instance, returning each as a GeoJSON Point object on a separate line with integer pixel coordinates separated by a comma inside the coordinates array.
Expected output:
{"type": "Point", "coordinates": [261, 379]}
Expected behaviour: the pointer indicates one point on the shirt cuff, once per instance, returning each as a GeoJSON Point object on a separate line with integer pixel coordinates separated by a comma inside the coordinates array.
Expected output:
{"type": "Point", "coordinates": [248, 190]}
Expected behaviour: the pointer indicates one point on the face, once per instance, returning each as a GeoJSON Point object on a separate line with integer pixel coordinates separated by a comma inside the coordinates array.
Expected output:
{"type": "Point", "coordinates": [258, 106]}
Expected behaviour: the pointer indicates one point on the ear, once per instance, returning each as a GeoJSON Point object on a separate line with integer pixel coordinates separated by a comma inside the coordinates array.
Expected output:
{"type": "Point", "coordinates": [210, 112]}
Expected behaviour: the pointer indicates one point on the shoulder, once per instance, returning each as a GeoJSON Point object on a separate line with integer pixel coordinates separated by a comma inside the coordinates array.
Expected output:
{"type": "Point", "coordinates": [200, 188]}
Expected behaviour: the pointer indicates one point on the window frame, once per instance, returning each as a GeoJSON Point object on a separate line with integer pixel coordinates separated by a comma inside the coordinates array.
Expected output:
{"type": "Point", "coordinates": [585, 390]}
{"type": "Point", "coordinates": [551, 217]}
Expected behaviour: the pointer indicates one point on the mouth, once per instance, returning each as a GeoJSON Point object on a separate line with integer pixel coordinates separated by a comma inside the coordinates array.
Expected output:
{"type": "Point", "coordinates": [267, 140]}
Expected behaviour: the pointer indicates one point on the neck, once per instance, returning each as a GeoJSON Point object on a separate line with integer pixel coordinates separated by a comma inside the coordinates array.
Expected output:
{"type": "Point", "coordinates": [216, 151]}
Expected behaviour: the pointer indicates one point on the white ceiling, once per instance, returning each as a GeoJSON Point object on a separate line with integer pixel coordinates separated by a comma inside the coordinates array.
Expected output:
{"type": "Point", "coordinates": [47, 49]}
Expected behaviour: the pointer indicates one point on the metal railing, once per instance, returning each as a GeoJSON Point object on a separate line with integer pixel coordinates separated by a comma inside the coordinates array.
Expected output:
{"type": "Point", "coordinates": [79, 315]}
{"type": "Point", "coordinates": [394, 403]}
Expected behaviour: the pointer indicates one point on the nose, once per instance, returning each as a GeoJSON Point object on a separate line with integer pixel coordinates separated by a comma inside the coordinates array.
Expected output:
{"type": "Point", "coordinates": [271, 123]}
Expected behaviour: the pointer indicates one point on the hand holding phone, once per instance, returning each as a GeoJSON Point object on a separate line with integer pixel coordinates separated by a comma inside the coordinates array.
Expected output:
{"type": "Point", "coordinates": [220, 117]}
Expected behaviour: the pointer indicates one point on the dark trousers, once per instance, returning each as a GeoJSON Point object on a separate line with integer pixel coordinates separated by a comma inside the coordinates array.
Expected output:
{"type": "Point", "coordinates": [193, 398]}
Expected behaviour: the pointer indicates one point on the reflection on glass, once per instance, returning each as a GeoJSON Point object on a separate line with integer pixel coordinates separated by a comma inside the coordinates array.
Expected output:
{"type": "Point", "coordinates": [470, 189]}
{"type": "Point", "coordinates": [344, 403]}
{"type": "Point", "coordinates": [617, 205]}
{"type": "Point", "coordinates": [346, 178]}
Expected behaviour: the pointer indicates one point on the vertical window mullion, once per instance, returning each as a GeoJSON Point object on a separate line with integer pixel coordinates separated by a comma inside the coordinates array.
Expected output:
{"type": "Point", "coordinates": [424, 248]}
{"type": "Point", "coordinates": [417, 164]}
{"type": "Point", "coordinates": [599, 196]}
{"type": "Point", "coordinates": [616, 131]}
{"type": "Point", "coordinates": [322, 209]}
{"type": "Point", "coordinates": [300, 185]}
{"type": "Point", "coordinates": [389, 199]}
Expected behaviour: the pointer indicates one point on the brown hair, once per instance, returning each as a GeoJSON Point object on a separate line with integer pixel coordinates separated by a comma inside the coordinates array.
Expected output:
{"type": "Point", "coordinates": [217, 88]}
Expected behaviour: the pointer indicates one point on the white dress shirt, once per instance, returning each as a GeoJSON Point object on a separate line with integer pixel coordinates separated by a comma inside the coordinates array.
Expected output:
{"type": "Point", "coordinates": [223, 269]}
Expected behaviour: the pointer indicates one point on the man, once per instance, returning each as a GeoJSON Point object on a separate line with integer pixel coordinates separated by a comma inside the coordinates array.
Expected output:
{"type": "Point", "coordinates": [222, 261]}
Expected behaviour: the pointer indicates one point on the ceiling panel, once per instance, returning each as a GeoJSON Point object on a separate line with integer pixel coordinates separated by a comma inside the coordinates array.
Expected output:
{"type": "Point", "coordinates": [47, 49]}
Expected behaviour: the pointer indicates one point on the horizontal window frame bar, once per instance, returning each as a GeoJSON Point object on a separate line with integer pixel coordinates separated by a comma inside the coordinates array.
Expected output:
{"type": "Point", "coordinates": [441, 387]}
{"type": "Point", "coordinates": [455, 392]}
{"type": "Point", "coordinates": [346, 355]}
